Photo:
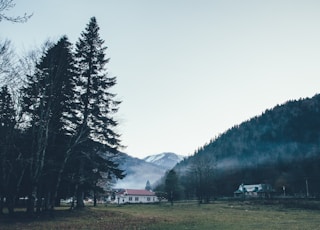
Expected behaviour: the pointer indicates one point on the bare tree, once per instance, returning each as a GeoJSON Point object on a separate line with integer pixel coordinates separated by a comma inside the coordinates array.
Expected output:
{"type": "Point", "coordinates": [14, 68]}
{"type": "Point", "coordinates": [6, 5]}
{"type": "Point", "coordinates": [9, 68]}
{"type": "Point", "coordinates": [6, 57]}
{"type": "Point", "coordinates": [202, 173]}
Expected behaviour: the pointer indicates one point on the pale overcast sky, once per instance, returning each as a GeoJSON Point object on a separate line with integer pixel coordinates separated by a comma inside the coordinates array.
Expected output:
{"type": "Point", "coordinates": [188, 70]}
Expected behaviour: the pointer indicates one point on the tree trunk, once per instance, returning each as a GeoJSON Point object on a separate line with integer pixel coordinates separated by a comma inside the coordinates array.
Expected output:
{"type": "Point", "coordinates": [94, 198]}
{"type": "Point", "coordinates": [10, 205]}
{"type": "Point", "coordinates": [1, 205]}
{"type": "Point", "coordinates": [47, 203]}
{"type": "Point", "coordinates": [38, 201]}
{"type": "Point", "coordinates": [80, 196]}
{"type": "Point", "coordinates": [30, 204]}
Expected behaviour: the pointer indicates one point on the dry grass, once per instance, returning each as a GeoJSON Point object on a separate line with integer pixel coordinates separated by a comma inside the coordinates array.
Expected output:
{"type": "Point", "coordinates": [219, 215]}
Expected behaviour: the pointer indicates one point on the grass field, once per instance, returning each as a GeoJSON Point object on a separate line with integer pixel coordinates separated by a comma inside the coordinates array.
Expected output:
{"type": "Point", "coordinates": [218, 215]}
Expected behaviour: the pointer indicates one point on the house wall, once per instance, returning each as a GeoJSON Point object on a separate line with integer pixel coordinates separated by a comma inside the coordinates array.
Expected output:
{"type": "Point", "coordinates": [135, 199]}
{"type": "Point", "coordinates": [255, 190]}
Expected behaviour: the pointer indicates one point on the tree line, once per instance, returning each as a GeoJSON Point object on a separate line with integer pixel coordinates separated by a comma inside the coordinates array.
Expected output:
{"type": "Point", "coordinates": [197, 181]}
{"type": "Point", "coordinates": [58, 132]}
{"type": "Point", "coordinates": [280, 147]}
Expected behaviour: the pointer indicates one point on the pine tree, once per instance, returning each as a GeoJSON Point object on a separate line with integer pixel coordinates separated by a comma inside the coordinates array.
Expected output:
{"type": "Point", "coordinates": [97, 111]}
{"type": "Point", "coordinates": [98, 102]}
{"type": "Point", "coordinates": [148, 186]}
{"type": "Point", "coordinates": [49, 105]}
{"type": "Point", "coordinates": [8, 113]}
{"type": "Point", "coordinates": [8, 160]}
{"type": "Point", "coordinates": [64, 121]}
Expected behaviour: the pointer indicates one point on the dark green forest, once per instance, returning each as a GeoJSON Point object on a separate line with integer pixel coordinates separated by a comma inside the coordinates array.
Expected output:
{"type": "Point", "coordinates": [57, 128]}
{"type": "Point", "coordinates": [280, 147]}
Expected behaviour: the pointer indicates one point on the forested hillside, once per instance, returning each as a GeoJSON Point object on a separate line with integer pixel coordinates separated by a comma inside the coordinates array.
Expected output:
{"type": "Point", "coordinates": [280, 147]}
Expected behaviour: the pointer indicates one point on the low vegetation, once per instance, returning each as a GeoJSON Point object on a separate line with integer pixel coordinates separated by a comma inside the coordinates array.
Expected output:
{"type": "Point", "coordinates": [186, 215]}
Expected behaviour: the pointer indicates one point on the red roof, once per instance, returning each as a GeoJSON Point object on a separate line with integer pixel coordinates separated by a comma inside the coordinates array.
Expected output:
{"type": "Point", "coordinates": [138, 192]}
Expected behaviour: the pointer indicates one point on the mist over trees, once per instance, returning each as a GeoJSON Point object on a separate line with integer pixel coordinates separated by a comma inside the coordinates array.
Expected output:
{"type": "Point", "coordinates": [58, 139]}
{"type": "Point", "coordinates": [279, 147]}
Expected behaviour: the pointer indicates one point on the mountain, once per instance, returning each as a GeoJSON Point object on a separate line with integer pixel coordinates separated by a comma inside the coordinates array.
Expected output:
{"type": "Point", "coordinates": [138, 172]}
{"type": "Point", "coordinates": [165, 160]}
{"type": "Point", "coordinates": [280, 147]}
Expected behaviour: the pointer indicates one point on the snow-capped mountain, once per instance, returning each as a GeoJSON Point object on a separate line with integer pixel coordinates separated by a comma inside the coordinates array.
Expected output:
{"type": "Point", "coordinates": [164, 160]}
{"type": "Point", "coordinates": [139, 171]}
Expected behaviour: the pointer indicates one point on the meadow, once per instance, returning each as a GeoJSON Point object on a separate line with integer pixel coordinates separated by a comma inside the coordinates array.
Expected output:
{"type": "Point", "coordinates": [186, 215]}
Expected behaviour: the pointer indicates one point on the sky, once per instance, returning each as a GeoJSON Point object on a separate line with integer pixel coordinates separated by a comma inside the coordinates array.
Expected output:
{"type": "Point", "coordinates": [187, 70]}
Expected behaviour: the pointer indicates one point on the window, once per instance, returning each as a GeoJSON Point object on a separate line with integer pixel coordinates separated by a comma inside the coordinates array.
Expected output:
{"type": "Point", "coordinates": [130, 198]}
{"type": "Point", "coordinates": [136, 198]}
{"type": "Point", "coordinates": [148, 199]}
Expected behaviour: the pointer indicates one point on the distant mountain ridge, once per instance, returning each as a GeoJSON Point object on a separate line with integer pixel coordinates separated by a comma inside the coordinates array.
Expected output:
{"type": "Point", "coordinates": [139, 171]}
{"type": "Point", "coordinates": [165, 160]}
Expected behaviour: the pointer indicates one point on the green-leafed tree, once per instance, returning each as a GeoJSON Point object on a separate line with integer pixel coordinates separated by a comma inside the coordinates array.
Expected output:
{"type": "Point", "coordinates": [98, 106]}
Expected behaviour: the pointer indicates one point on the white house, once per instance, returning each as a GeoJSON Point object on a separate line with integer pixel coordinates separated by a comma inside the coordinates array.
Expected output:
{"type": "Point", "coordinates": [133, 196]}
{"type": "Point", "coordinates": [254, 190]}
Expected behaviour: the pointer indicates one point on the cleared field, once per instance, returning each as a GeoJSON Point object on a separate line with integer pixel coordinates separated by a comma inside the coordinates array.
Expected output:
{"type": "Point", "coordinates": [218, 215]}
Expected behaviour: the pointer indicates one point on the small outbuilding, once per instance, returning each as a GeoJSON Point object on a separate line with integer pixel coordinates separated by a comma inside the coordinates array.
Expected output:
{"type": "Point", "coordinates": [133, 196]}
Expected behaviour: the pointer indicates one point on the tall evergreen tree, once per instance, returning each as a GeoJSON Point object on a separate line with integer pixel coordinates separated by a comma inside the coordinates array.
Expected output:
{"type": "Point", "coordinates": [7, 154]}
{"type": "Point", "coordinates": [98, 108]}
{"type": "Point", "coordinates": [64, 121]}
{"type": "Point", "coordinates": [47, 103]}
{"type": "Point", "coordinates": [99, 104]}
